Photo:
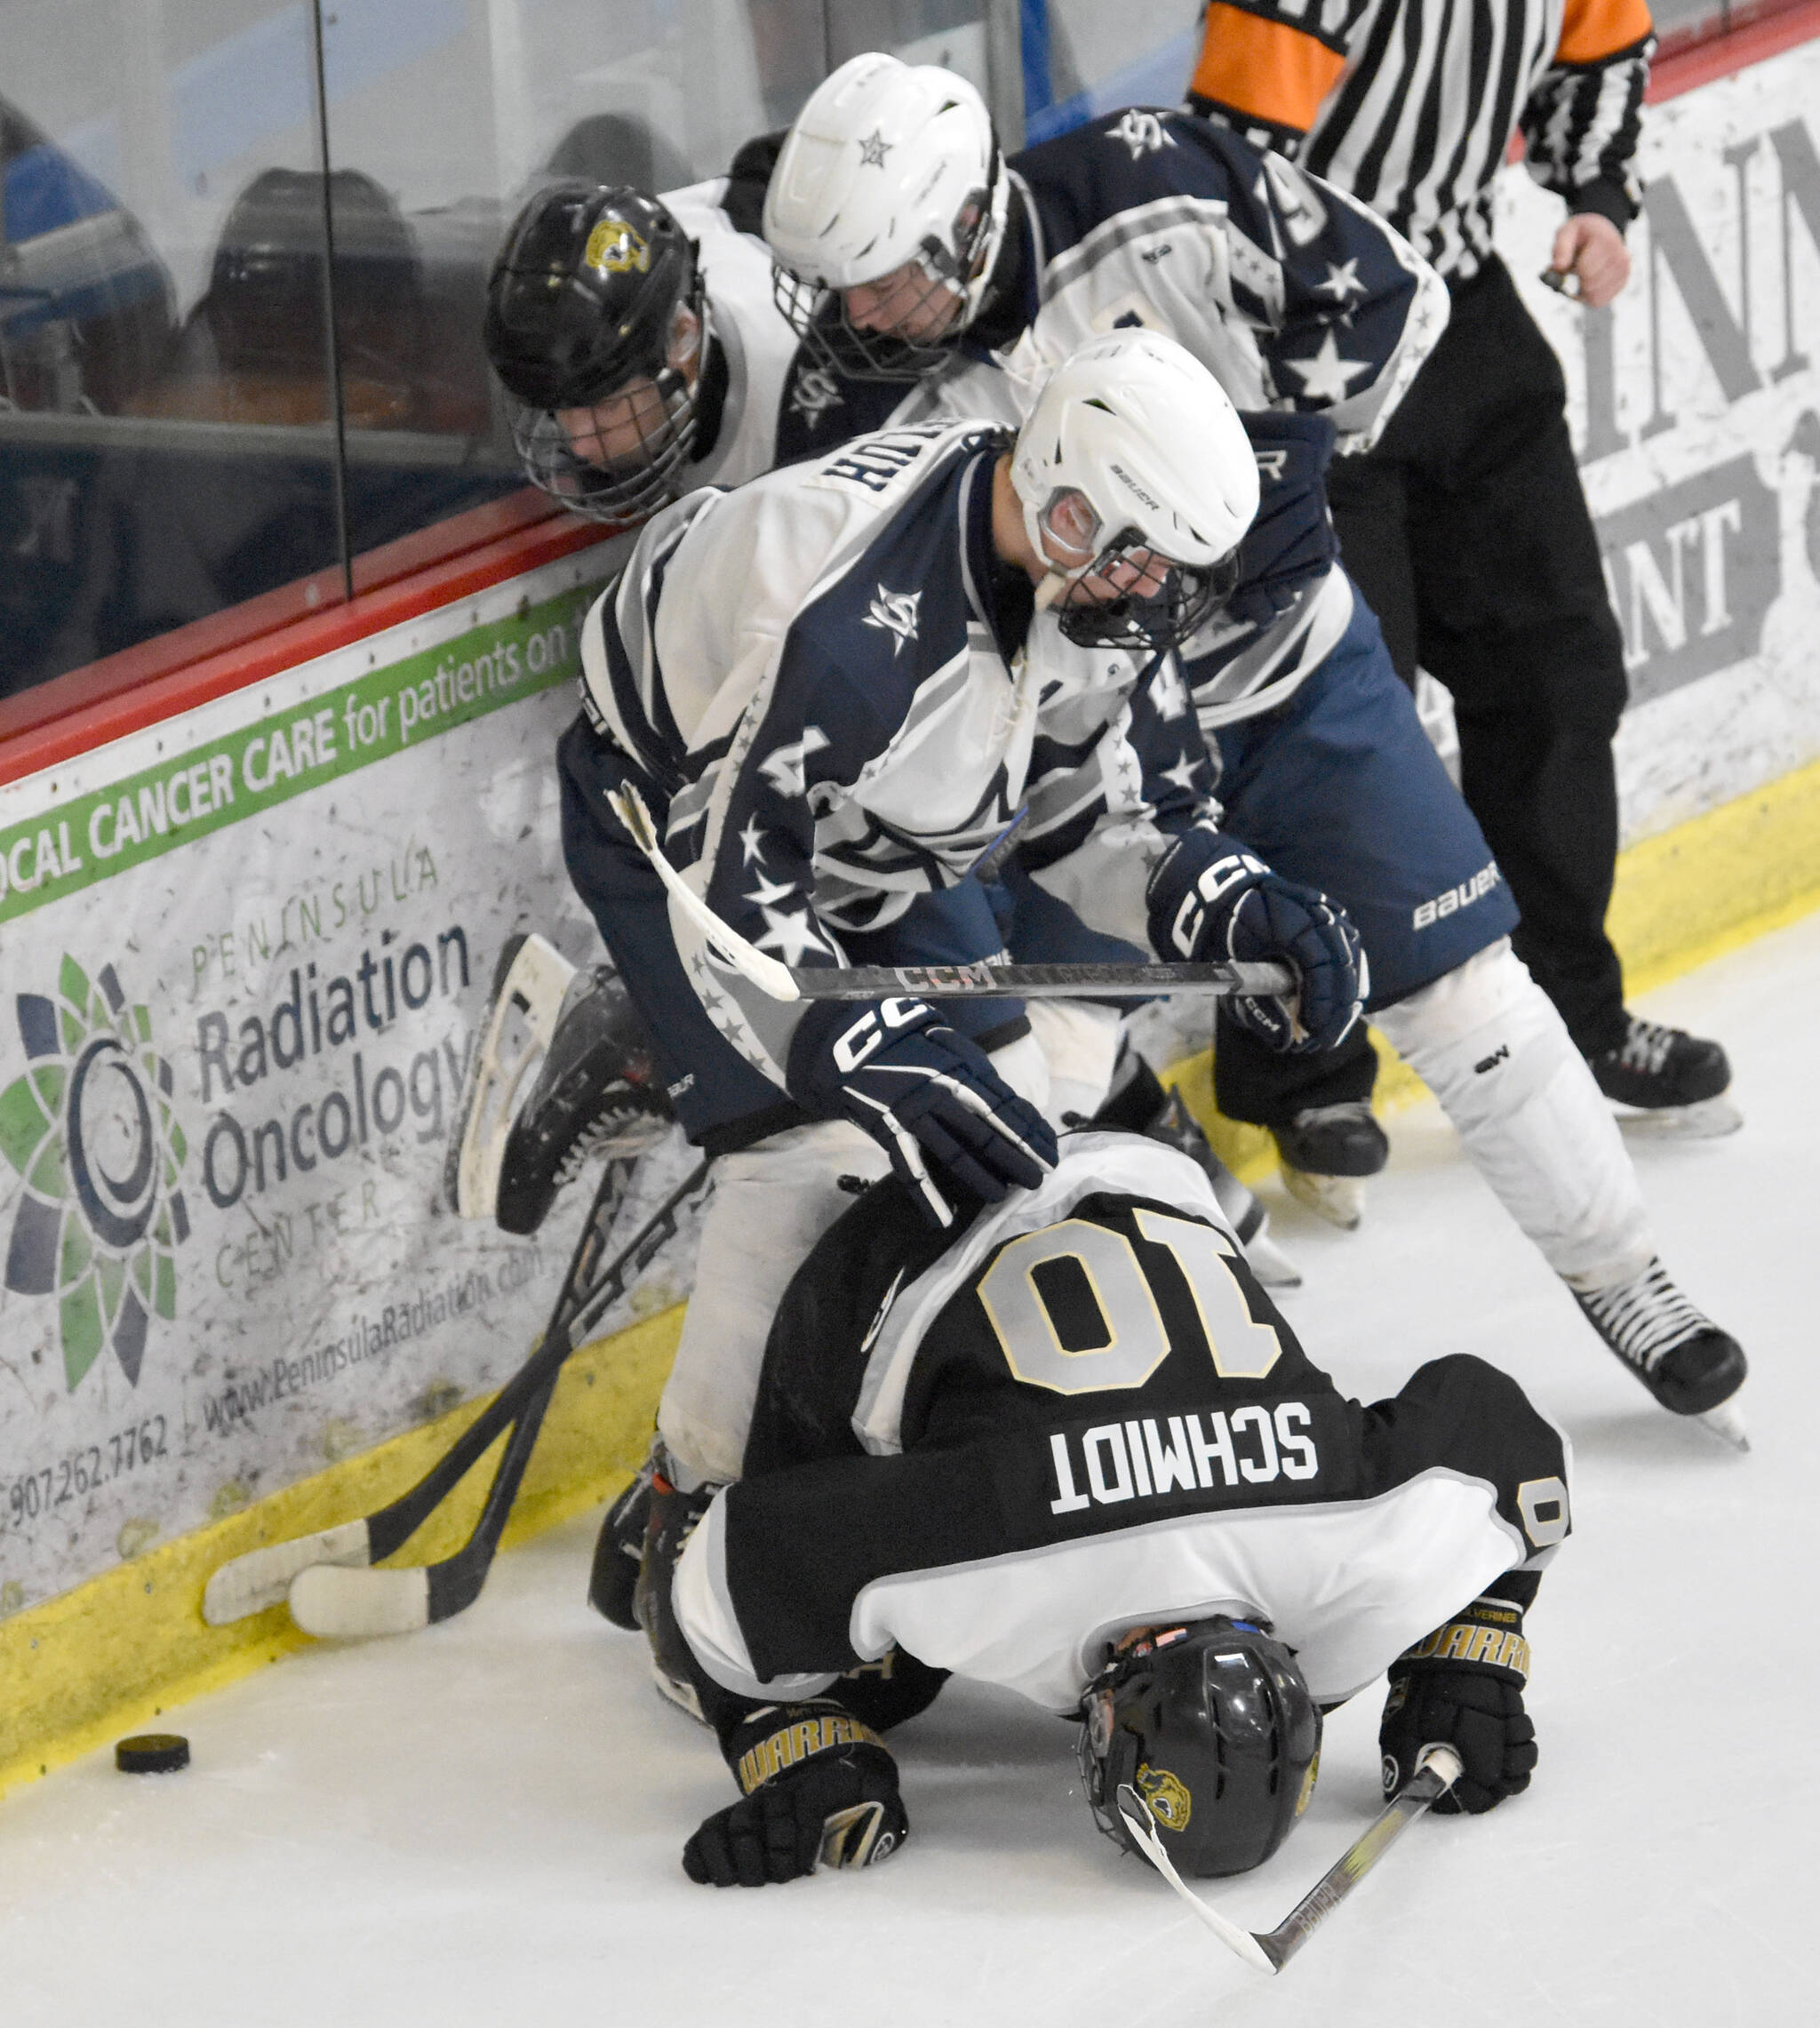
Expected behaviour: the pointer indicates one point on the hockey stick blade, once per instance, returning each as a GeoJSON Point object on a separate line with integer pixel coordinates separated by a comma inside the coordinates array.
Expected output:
{"type": "Point", "coordinates": [260, 1579]}
{"type": "Point", "coordinates": [380, 1602]}
{"type": "Point", "coordinates": [1269, 1951]}
{"type": "Point", "coordinates": [1264, 977]}
{"type": "Point", "coordinates": [343, 1604]}
{"type": "Point", "coordinates": [347, 1601]}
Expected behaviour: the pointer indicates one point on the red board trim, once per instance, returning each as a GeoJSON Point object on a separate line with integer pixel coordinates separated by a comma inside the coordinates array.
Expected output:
{"type": "Point", "coordinates": [249, 643]}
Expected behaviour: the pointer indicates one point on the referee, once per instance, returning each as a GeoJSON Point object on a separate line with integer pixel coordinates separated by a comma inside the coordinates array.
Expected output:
{"type": "Point", "coordinates": [1467, 528]}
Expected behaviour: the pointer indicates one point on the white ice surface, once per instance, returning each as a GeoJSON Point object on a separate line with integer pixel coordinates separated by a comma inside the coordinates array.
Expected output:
{"type": "Point", "coordinates": [481, 1823]}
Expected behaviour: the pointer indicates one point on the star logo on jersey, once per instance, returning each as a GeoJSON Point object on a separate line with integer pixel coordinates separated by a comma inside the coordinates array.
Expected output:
{"type": "Point", "coordinates": [751, 842]}
{"type": "Point", "coordinates": [1342, 282]}
{"type": "Point", "coordinates": [1143, 134]}
{"type": "Point", "coordinates": [1182, 774]}
{"type": "Point", "coordinates": [874, 149]}
{"type": "Point", "coordinates": [791, 934]}
{"type": "Point", "coordinates": [1327, 377]}
{"type": "Point", "coordinates": [816, 392]}
{"type": "Point", "coordinates": [894, 613]}
{"type": "Point", "coordinates": [784, 770]}
{"type": "Point", "coordinates": [769, 892]}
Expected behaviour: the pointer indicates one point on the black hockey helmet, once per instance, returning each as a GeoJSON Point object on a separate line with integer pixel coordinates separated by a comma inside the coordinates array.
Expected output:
{"type": "Point", "coordinates": [588, 297]}
{"type": "Point", "coordinates": [1213, 1725]}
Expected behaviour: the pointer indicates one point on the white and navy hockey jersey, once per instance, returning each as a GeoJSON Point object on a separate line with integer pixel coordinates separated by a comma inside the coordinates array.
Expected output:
{"type": "Point", "coordinates": [1001, 1451]}
{"type": "Point", "coordinates": [836, 698]}
{"type": "Point", "coordinates": [1312, 312]}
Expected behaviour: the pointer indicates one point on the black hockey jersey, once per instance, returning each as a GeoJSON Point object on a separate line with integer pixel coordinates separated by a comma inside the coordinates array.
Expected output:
{"type": "Point", "coordinates": [1085, 1415]}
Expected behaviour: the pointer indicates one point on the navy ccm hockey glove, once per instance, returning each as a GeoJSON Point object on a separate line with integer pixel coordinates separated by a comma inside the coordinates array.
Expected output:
{"type": "Point", "coordinates": [821, 1791]}
{"type": "Point", "coordinates": [923, 1093]}
{"type": "Point", "coordinates": [1210, 898]}
{"type": "Point", "coordinates": [1463, 1686]}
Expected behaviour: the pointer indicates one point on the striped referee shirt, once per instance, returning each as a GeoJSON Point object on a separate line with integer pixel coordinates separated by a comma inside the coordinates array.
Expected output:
{"type": "Point", "coordinates": [1410, 105]}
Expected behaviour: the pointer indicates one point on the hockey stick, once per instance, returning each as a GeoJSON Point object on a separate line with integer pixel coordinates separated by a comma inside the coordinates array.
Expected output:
{"type": "Point", "coordinates": [1266, 977]}
{"type": "Point", "coordinates": [1270, 1951]}
{"type": "Point", "coordinates": [261, 1579]}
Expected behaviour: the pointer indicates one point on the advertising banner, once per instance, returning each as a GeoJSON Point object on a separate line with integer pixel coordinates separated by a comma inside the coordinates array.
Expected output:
{"type": "Point", "coordinates": [242, 956]}
{"type": "Point", "coordinates": [1696, 410]}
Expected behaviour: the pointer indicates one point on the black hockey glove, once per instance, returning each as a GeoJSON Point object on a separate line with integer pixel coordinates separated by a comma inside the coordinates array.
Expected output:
{"type": "Point", "coordinates": [1463, 1686]}
{"type": "Point", "coordinates": [1210, 898]}
{"type": "Point", "coordinates": [924, 1093]}
{"type": "Point", "coordinates": [821, 1791]}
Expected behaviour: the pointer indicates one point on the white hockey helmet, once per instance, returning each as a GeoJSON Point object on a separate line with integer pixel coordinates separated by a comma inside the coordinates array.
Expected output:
{"type": "Point", "coordinates": [1133, 451]}
{"type": "Point", "coordinates": [888, 167]}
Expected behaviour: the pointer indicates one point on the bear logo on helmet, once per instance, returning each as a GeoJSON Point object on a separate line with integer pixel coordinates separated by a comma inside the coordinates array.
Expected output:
{"type": "Point", "coordinates": [1169, 1798]}
{"type": "Point", "coordinates": [614, 248]}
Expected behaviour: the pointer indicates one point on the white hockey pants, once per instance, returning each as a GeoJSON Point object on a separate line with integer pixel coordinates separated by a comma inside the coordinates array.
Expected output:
{"type": "Point", "coordinates": [1488, 1043]}
{"type": "Point", "coordinates": [771, 1202]}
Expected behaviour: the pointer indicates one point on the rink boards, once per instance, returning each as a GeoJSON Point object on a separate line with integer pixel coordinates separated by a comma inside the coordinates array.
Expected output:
{"type": "Point", "coordinates": [252, 942]}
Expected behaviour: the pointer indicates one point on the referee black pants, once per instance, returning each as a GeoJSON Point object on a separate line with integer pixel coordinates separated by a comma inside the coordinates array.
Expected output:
{"type": "Point", "coordinates": [1467, 530]}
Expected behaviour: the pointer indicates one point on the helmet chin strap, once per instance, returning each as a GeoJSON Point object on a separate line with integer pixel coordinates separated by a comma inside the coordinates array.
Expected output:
{"type": "Point", "coordinates": [1000, 202]}
{"type": "Point", "coordinates": [1055, 583]}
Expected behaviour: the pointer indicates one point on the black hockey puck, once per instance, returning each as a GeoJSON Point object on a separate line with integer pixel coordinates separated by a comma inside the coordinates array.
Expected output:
{"type": "Point", "coordinates": [152, 1753]}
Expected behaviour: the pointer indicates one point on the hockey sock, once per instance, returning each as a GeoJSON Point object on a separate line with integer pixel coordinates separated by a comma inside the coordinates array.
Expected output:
{"type": "Point", "coordinates": [1487, 1042]}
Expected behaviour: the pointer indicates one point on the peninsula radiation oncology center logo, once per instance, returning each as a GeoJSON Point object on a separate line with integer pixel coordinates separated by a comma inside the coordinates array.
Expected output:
{"type": "Point", "coordinates": [91, 1130]}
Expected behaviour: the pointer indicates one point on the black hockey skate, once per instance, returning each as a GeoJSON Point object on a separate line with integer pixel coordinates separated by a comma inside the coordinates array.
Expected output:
{"type": "Point", "coordinates": [671, 1521]}
{"type": "Point", "coordinates": [596, 1088]}
{"type": "Point", "coordinates": [1689, 1365]}
{"type": "Point", "coordinates": [618, 1554]}
{"type": "Point", "coordinates": [1327, 1152]}
{"type": "Point", "coordinates": [597, 1093]}
{"type": "Point", "coordinates": [1677, 1080]}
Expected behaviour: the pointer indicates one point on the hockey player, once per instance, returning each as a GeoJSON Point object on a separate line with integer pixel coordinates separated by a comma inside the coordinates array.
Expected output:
{"type": "Point", "coordinates": [638, 346]}
{"type": "Point", "coordinates": [833, 687]}
{"type": "Point", "coordinates": [907, 247]}
{"type": "Point", "coordinates": [1071, 1447]}
{"type": "Point", "coordinates": [642, 354]}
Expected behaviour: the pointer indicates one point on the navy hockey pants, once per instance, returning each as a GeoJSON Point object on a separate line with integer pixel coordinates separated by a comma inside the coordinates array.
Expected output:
{"type": "Point", "coordinates": [1339, 787]}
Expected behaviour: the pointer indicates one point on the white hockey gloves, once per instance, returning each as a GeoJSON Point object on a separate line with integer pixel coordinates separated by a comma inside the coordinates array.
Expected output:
{"type": "Point", "coordinates": [924, 1093]}
{"type": "Point", "coordinates": [1208, 897]}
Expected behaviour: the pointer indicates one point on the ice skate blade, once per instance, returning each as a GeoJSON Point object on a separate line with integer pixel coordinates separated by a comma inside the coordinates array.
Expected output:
{"type": "Point", "coordinates": [1340, 1200]}
{"type": "Point", "coordinates": [1270, 1264]}
{"type": "Point", "coordinates": [1709, 1119]}
{"type": "Point", "coordinates": [672, 1690]}
{"type": "Point", "coordinates": [1726, 1423]}
{"type": "Point", "coordinates": [519, 1023]}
